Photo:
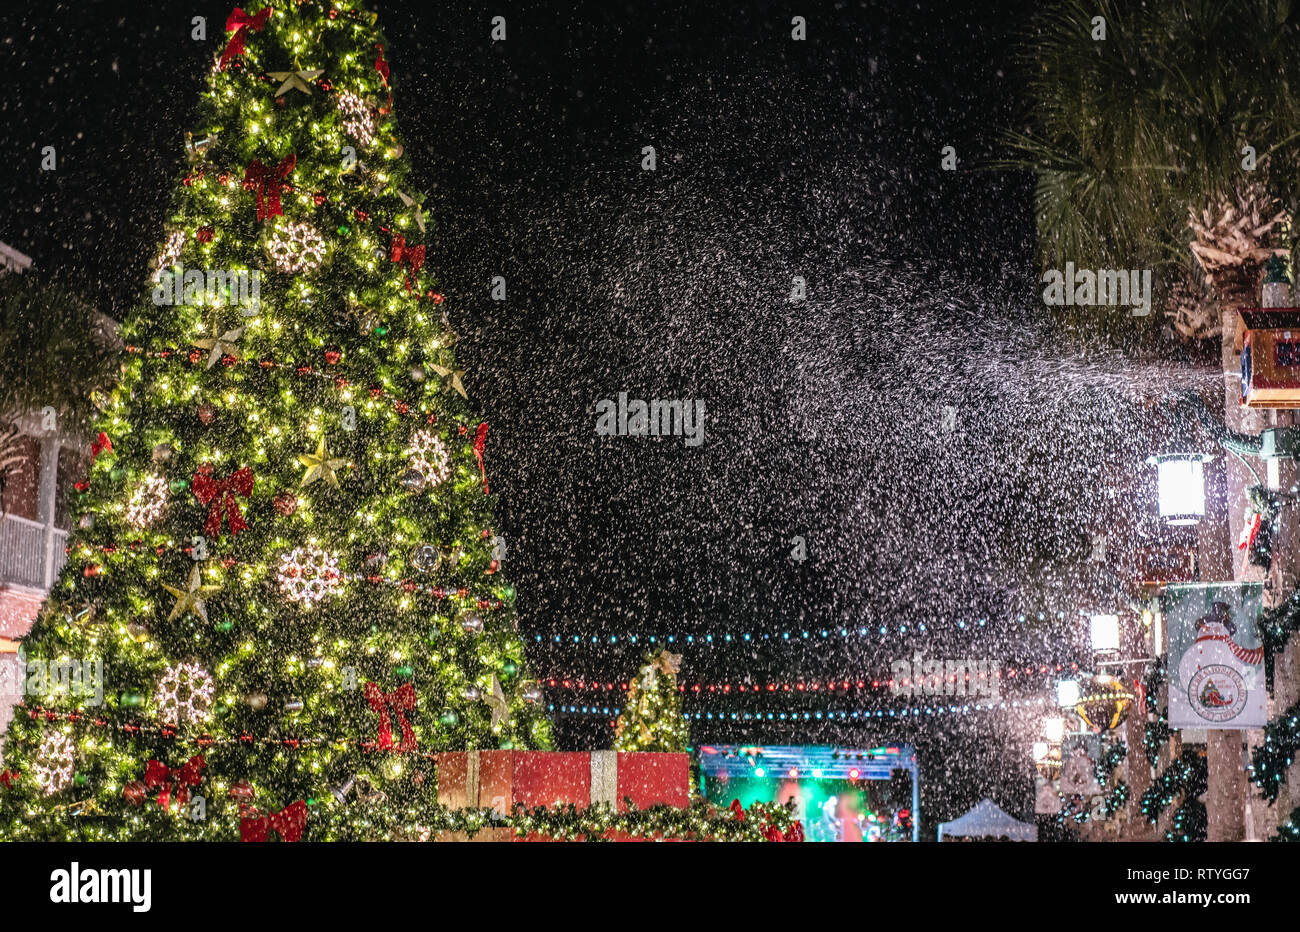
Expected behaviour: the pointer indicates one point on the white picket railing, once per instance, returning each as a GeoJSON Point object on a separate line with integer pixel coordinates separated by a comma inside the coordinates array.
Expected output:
{"type": "Point", "coordinates": [31, 554]}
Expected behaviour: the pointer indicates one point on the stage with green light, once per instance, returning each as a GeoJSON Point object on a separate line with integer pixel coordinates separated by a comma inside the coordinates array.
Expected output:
{"type": "Point", "coordinates": [839, 793]}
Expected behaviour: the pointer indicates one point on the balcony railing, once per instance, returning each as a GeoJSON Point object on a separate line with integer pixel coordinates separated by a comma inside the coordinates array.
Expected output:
{"type": "Point", "coordinates": [31, 553]}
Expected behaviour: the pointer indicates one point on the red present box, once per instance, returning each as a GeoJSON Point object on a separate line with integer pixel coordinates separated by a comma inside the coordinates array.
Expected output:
{"type": "Point", "coordinates": [500, 780]}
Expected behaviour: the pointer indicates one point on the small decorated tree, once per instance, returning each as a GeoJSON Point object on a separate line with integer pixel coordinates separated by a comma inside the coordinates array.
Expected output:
{"type": "Point", "coordinates": [653, 719]}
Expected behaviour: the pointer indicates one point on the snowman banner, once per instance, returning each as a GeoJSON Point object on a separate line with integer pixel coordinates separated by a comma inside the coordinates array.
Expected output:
{"type": "Point", "coordinates": [1216, 658]}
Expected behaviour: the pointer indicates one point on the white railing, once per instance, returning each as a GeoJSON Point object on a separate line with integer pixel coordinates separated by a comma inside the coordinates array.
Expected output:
{"type": "Point", "coordinates": [31, 553]}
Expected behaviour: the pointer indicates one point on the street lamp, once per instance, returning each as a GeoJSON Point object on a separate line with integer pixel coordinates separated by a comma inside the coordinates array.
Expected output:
{"type": "Point", "coordinates": [1104, 632]}
{"type": "Point", "coordinates": [1054, 729]}
{"type": "Point", "coordinates": [1067, 693]}
{"type": "Point", "coordinates": [1180, 479]}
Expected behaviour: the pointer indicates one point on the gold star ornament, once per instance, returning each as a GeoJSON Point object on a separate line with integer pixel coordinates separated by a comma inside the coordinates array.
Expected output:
{"type": "Point", "coordinates": [320, 465]}
{"type": "Point", "coordinates": [295, 80]}
{"type": "Point", "coordinates": [454, 380]}
{"type": "Point", "coordinates": [191, 599]}
{"type": "Point", "coordinates": [222, 345]}
{"type": "Point", "coordinates": [496, 701]}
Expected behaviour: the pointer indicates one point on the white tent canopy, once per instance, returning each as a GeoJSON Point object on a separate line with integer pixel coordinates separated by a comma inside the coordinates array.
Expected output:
{"type": "Point", "coordinates": [986, 819]}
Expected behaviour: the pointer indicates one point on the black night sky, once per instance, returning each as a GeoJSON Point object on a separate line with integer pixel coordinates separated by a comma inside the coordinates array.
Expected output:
{"type": "Point", "coordinates": [819, 159]}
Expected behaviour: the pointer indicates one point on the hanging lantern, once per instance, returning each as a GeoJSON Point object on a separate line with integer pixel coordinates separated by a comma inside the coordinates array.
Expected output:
{"type": "Point", "coordinates": [1180, 479]}
{"type": "Point", "coordinates": [1104, 702]}
{"type": "Point", "coordinates": [1103, 631]}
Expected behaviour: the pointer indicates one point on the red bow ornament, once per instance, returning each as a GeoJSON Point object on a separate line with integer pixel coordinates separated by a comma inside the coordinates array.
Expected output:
{"type": "Point", "coordinates": [100, 444]}
{"type": "Point", "coordinates": [480, 446]}
{"type": "Point", "coordinates": [158, 774]}
{"type": "Point", "coordinates": [410, 256]}
{"type": "Point", "coordinates": [239, 23]}
{"type": "Point", "coordinates": [8, 777]}
{"type": "Point", "coordinates": [288, 823]}
{"type": "Point", "coordinates": [268, 181]}
{"type": "Point", "coordinates": [737, 810]}
{"type": "Point", "coordinates": [402, 700]}
{"type": "Point", "coordinates": [221, 493]}
{"type": "Point", "coordinates": [382, 67]}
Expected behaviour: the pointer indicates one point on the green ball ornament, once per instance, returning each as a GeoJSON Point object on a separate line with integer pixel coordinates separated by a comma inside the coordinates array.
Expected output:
{"type": "Point", "coordinates": [506, 744]}
{"type": "Point", "coordinates": [509, 668]}
{"type": "Point", "coordinates": [449, 718]}
{"type": "Point", "coordinates": [178, 485]}
{"type": "Point", "coordinates": [79, 779]}
{"type": "Point", "coordinates": [225, 625]}
{"type": "Point", "coordinates": [403, 672]}
{"type": "Point", "coordinates": [131, 700]}
{"type": "Point", "coordinates": [344, 229]}
{"type": "Point", "coordinates": [117, 475]}
{"type": "Point", "coordinates": [506, 593]}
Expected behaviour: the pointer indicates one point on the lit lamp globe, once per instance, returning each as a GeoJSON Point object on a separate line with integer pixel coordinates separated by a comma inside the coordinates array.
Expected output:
{"type": "Point", "coordinates": [1180, 482]}
{"type": "Point", "coordinates": [1104, 702]}
{"type": "Point", "coordinates": [1047, 759]}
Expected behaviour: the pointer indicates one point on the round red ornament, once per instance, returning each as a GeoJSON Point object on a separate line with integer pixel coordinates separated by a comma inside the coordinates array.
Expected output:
{"type": "Point", "coordinates": [207, 413]}
{"type": "Point", "coordinates": [241, 790]}
{"type": "Point", "coordinates": [332, 356]}
{"type": "Point", "coordinates": [320, 198]}
{"type": "Point", "coordinates": [285, 503]}
{"type": "Point", "coordinates": [204, 235]}
{"type": "Point", "coordinates": [134, 792]}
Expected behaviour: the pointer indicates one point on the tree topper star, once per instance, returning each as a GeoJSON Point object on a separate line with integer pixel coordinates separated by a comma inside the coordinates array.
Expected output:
{"type": "Point", "coordinates": [321, 465]}
{"type": "Point", "coordinates": [295, 80]}
{"type": "Point", "coordinates": [191, 600]}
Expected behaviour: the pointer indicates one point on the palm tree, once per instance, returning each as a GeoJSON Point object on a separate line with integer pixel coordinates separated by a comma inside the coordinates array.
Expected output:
{"type": "Point", "coordinates": [1137, 141]}
{"type": "Point", "coordinates": [55, 351]}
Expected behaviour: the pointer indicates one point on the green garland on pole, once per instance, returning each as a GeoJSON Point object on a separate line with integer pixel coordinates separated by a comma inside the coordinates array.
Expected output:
{"type": "Point", "coordinates": [1270, 760]}
{"type": "Point", "coordinates": [1186, 777]}
{"type": "Point", "coordinates": [1157, 731]}
{"type": "Point", "coordinates": [1290, 830]}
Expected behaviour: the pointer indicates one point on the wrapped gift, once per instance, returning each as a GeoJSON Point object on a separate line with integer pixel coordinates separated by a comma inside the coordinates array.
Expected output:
{"type": "Point", "coordinates": [500, 780]}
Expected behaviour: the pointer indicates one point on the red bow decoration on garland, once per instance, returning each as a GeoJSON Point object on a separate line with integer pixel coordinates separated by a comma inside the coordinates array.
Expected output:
{"type": "Point", "coordinates": [101, 444]}
{"type": "Point", "coordinates": [402, 699]}
{"type": "Point", "coordinates": [239, 23]}
{"type": "Point", "coordinates": [737, 810]}
{"type": "Point", "coordinates": [480, 445]}
{"type": "Point", "coordinates": [410, 256]}
{"type": "Point", "coordinates": [288, 823]}
{"type": "Point", "coordinates": [8, 777]}
{"type": "Point", "coordinates": [222, 493]}
{"type": "Point", "coordinates": [156, 773]}
{"type": "Point", "coordinates": [268, 181]}
{"type": "Point", "coordinates": [382, 67]}
{"type": "Point", "coordinates": [1249, 531]}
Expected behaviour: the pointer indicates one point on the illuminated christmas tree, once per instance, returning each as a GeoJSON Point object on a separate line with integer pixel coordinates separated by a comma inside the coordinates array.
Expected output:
{"type": "Point", "coordinates": [284, 591]}
{"type": "Point", "coordinates": [653, 719]}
